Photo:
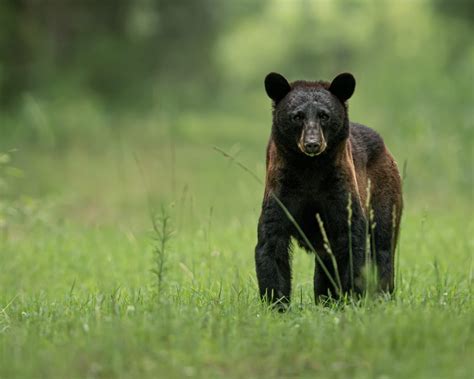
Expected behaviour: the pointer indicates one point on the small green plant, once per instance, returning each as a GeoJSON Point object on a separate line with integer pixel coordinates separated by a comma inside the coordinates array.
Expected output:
{"type": "Point", "coordinates": [162, 234]}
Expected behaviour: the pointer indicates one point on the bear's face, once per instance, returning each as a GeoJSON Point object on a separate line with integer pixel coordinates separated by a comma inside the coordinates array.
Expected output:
{"type": "Point", "coordinates": [309, 116]}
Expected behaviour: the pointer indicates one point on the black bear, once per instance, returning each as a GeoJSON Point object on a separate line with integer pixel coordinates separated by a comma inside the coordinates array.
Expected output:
{"type": "Point", "coordinates": [318, 162]}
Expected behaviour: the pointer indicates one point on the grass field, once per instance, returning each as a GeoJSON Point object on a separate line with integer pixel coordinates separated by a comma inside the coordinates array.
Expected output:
{"type": "Point", "coordinates": [87, 290]}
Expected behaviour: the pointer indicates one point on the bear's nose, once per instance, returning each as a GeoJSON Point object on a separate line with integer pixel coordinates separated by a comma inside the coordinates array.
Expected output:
{"type": "Point", "coordinates": [311, 147]}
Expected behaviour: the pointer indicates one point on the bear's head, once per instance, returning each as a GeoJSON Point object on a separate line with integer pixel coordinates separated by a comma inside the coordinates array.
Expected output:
{"type": "Point", "coordinates": [310, 117]}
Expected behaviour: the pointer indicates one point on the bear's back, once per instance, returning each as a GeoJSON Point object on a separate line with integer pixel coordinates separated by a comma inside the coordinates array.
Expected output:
{"type": "Point", "coordinates": [366, 144]}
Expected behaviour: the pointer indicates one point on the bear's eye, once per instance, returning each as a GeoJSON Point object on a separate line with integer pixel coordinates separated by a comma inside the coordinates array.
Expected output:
{"type": "Point", "coordinates": [298, 117]}
{"type": "Point", "coordinates": [324, 116]}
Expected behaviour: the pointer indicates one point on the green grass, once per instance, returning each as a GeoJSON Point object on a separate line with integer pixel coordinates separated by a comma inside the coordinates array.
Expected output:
{"type": "Point", "coordinates": [79, 298]}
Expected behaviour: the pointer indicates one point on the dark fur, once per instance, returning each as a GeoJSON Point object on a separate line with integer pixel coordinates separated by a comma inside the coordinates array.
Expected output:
{"type": "Point", "coordinates": [310, 185]}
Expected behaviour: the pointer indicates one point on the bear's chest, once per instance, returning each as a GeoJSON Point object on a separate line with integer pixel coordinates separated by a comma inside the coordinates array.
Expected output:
{"type": "Point", "coordinates": [307, 186]}
{"type": "Point", "coordinates": [307, 193]}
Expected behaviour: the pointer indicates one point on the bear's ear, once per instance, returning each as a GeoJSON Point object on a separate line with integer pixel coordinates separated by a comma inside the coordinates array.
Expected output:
{"type": "Point", "coordinates": [343, 86]}
{"type": "Point", "coordinates": [276, 86]}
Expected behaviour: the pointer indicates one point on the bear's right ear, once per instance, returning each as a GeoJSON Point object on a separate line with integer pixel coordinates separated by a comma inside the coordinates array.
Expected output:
{"type": "Point", "coordinates": [276, 86]}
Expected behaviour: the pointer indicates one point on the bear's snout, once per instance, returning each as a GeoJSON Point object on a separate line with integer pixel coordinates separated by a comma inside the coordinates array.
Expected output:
{"type": "Point", "coordinates": [312, 143]}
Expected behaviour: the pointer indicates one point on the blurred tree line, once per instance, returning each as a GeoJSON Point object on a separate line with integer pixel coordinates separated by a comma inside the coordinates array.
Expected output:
{"type": "Point", "coordinates": [123, 51]}
{"type": "Point", "coordinates": [114, 49]}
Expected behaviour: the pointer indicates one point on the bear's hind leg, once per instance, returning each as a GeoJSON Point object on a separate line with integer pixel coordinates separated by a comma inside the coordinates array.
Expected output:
{"type": "Point", "coordinates": [383, 241]}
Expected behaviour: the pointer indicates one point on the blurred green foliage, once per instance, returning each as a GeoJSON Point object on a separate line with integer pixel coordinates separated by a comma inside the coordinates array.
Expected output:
{"type": "Point", "coordinates": [163, 51]}
{"type": "Point", "coordinates": [90, 76]}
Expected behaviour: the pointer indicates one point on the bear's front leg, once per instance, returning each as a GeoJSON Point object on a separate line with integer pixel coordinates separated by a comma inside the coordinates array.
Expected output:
{"type": "Point", "coordinates": [272, 254]}
{"type": "Point", "coordinates": [347, 241]}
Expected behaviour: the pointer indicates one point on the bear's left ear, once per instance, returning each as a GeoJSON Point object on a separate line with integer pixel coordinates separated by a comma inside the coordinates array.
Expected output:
{"type": "Point", "coordinates": [343, 86]}
{"type": "Point", "coordinates": [276, 86]}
